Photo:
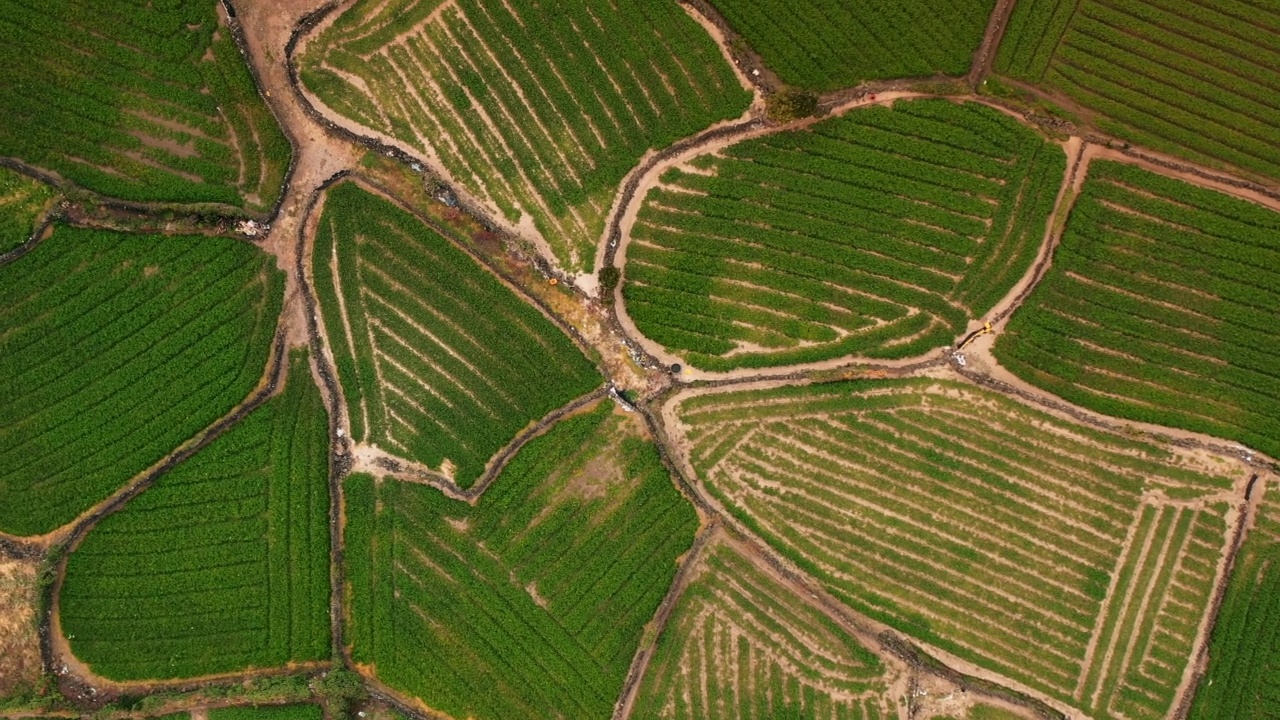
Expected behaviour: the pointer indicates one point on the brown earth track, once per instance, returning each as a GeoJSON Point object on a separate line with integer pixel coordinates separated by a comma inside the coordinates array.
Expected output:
{"type": "Point", "coordinates": [986, 52]}
{"type": "Point", "coordinates": [656, 626]}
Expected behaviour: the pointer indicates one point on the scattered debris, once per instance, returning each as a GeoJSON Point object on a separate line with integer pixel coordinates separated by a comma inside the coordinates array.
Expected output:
{"type": "Point", "coordinates": [252, 228]}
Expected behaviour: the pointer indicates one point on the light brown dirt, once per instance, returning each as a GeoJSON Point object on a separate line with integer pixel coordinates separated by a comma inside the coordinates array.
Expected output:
{"type": "Point", "coordinates": [317, 156]}
{"type": "Point", "coordinates": [19, 643]}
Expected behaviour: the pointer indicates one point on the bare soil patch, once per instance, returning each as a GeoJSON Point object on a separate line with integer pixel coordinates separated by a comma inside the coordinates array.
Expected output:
{"type": "Point", "coordinates": [19, 642]}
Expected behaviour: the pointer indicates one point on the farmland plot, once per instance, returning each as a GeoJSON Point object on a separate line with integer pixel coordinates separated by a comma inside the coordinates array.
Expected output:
{"type": "Point", "coordinates": [1196, 78]}
{"type": "Point", "coordinates": [1243, 680]}
{"type": "Point", "coordinates": [538, 109]}
{"type": "Point", "coordinates": [223, 564]}
{"type": "Point", "coordinates": [1160, 306]}
{"type": "Point", "coordinates": [439, 361]}
{"type": "Point", "coordinates": [22, 203]}
{"type": "Point", "coordinates": [268, 712]}
{"type": "Point", "coordinates": [137, 100]}
{"type": "Point", "coordinates": [115, 349]}
{"type": "Point", "coordinates": [829, 44]}
{"type": "Point", "coordinates": [531, 603]}
{"type": "Point", "coordinates": [1076, 562]}
{"type": "Point", "coordinates": [742, 645]}
{"type": "Point", "coordinates": [879, 233]}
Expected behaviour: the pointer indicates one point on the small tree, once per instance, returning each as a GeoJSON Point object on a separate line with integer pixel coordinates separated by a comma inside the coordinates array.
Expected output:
{"type": "Point", "coordinates": [609, 277]}
{"type": "Point", "coordinates": [790, 104]}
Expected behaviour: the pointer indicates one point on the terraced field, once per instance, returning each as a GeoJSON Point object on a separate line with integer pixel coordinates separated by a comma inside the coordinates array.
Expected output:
{"type": "Point", "coordinates": [115, 349]}
{"type": "Point", "coordinates": [741, 644]}
{"type": "Point", "coordinates": [1243, 680]}
{"type": "Point", "coordinates": [537, 109]}
{"type": "Point", "coordinates": [828, 44]}
{"type": "Point", "coordinates": [139, 101]}
{"type": "Point", "coordinates": [22, 204]}
{"type": "Point", "coordinates": [439, 361]}
{"type": "Point", "coordinates": [1074, 561]}
{"type": "Point", "coordinates": [1196, 78]}
{"type": "Point", "coordinates": [531, 603]}
{"type": "Point", "coordinates": [1160, 306]}
{"type": "Point", "coordinates": [879, 233]}
{"type": "Point", "coordinates": [223, 564]}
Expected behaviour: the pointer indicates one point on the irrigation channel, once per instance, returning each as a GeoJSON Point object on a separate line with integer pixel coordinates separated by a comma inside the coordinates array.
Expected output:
{"type": "Point", "coordinates": [328, 150]}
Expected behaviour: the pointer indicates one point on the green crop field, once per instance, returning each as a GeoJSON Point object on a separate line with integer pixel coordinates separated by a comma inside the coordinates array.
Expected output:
{"type": "Point", "coordinates": [741, 644]}
{"type": "Point", "coordinates": [537, 109]}
{"type": "Point", "coordinates": [223, 564]}
{"type": "Point", "coordinates": [531, 603]}
{"type": "Point", "coordinates": [1077, 562]}
{"type": "Point", "coordinates": [879, 233]}
{"type": "Point", "coordinates": [829, 44]}
{"type": "Point", "coordinates": [1160, 306]}
{"type": "Point", "coordinates": [268, 712]}
{"type": "Point", "coordinates": [439, 360]}
{"type": "Point", "coordinates": [22, 204]}
{"type": "Point", "coordinates": [139, 101]}
{"type": "Point", "coordinates": [1197, 78]}
{"type": "Point", "coordinates": [1243, 680]}
{"type": "Point", "coordinates": [114, 350]}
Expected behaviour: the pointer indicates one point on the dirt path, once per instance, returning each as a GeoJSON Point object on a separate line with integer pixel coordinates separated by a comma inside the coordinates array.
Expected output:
{"type": "Point", "coordinates": [317, 156]}
{"type": "Point", "coordinates": [986, 54]}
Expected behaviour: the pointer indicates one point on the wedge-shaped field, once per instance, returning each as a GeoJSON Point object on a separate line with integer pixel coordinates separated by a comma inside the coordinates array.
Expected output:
{"type": "Point", "coordinates": [138, 100]}
{"type": "Point", "coordinates": [115, 349]}
{"type": "Point", "coordinates": [223, 564]}
{"type": "Point", "coordinates": [1197, 78]}
{"type": "Point", "coordinates": [830, 44]}
{"type": "Point", "coordinates": [879, 233]}
{"type": "Point", "coordinates": [22, 203]}
{"type": "Point", "coordinates": [1160, 306]}
{"type": "Point", "coordinates": [1243, 680]}
{"type": "Point", "coordinates": [538, 109]}
{"type": "Point", "coordinates": [531, 603]}
{"type": "Point", "coordinates": [439, 361]}
{"type": "Point", "coordinates": [741, 644]}
{"type": "Point", "coordinates": [1076, 562]}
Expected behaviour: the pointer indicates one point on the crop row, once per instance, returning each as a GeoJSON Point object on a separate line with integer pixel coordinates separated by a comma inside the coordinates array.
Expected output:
{"type": "Point", "coordinates": [140, 103]}
{"type": "Point", "coordinates": [223, 564]}
{"type": "Point", "coordinates": [741, 644]}
{"type": "Point", "coordinates": [1159, 74]}
{"type": "Point", "coordinates": [827, 44]}
{"type": "Point", "coordinates": [535, 108]}
{"type": "Point", "coordinates": [1159, 307]}
{"type": "Point", "coordinates": [988, 528]}
{"type": "Point", "coordinates": [1148, 627]}
{"type": "Point", "coordinates": [116, 349]}
{"type": "Point", "coordinates": [437, 358]}
{"type": "Point", "coordinates": [1244, 654]}
{"type": "Point", "coordinates": [532, 602]}
{"type": "Point", "coordinates": [879, 233]}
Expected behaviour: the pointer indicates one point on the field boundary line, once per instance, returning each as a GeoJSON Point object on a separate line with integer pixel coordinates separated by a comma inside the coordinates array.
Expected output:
{"type": "Point", "coordinates": [1055, 227]}
{"type": "Point", "coordinates": [335, 124]}
{"type": "Point", "coordinates": [1198, 665]}
{"type": "Point", "coordinates": [985, 55]}
{"type": "Point", "coordinates": [1159, 433]}
{"type": "Point", "coordinates": [39, 235]}
{"type": "Point", "coordinates": [657, 625]}
{"type": "Point", "coordinates": [55, 651]}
